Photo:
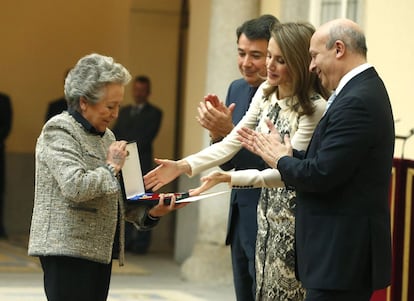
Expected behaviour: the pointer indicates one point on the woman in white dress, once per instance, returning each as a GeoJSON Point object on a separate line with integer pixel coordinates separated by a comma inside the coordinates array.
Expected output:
{"type": "Point", "coordinates": [294, 101]}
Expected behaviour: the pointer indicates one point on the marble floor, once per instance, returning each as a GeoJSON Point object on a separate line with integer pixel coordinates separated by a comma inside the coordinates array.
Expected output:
{"type": "Point", "coordinates": [151, 277]}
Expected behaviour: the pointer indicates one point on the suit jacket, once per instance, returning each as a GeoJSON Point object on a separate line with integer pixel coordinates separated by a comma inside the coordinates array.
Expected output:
{"type": "Point", "coordinates": [342, 182]}
{"type": "Point", "coordinates": [6, 117]}
{"type": "Point", "coordinates": [142, 128]}
{"type": "Point", "coordinates": [56, 107]}
{"type": "Point", "coordinates": [241, 93]}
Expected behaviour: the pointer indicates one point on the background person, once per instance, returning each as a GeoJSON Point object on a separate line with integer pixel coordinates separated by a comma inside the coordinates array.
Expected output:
{"type": "Point", "coordinates": [139, 122]}
{"type": "Point", "coordinates": [252, 39]}
{"type": "Point", "coordinates": [79, 213]}
{"type": "Point", "coordinates": [57, 106]}
{"type": "Point", "coordinates": [343, 236]}
{"type": "Point", "coordinates": [293, 100]}
{"type": "Point", "coordinates": [6, 118]}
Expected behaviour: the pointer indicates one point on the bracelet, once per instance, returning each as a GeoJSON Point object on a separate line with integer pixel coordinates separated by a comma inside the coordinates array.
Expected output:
{"type": "Point", "coordinates": [112, 169]}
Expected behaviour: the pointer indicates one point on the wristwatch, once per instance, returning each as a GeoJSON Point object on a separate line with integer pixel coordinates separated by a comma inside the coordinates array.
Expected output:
{"type": "Point", "coordinates": [112, 169]}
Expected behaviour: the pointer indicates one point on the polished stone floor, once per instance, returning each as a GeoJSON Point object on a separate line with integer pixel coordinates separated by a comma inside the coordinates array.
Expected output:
{"type": "Point", "coordinates": [151, 277]}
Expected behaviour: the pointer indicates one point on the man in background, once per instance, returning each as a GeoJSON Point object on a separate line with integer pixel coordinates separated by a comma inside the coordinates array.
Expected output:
{"type": "Point", "coordinates": [139, 122]}
{"type": "Point", "coordinates": [252, 40]}
{"type": "Point", "coordinates": [57, 106]}
{"type": "Point", "coordinates": [6, 117]}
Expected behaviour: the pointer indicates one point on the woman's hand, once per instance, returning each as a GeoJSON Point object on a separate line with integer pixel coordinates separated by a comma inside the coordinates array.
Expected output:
{"type": "Point", "coordinates": [117, 154]}
{"type": "Point", "coordinates": [164, 173]}
{"type": "Point", "coordinates": [214, 178]}
{"type": "Point", "coordinates": [268, 146]}
{"type": "Point", "coordinates": [161, 209]}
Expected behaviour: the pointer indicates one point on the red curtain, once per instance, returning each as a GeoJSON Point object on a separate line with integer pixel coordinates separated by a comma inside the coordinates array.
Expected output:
{"type": "Point", "coordinates": [401, 205]}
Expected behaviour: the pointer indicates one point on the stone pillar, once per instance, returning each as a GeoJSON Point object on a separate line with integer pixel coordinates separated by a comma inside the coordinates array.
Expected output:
{"type": "Point", "coordinates": [210, 259]}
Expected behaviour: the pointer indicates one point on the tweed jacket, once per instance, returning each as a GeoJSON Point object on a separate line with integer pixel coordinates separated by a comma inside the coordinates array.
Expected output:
{"type": "Point", "coordinates": [78, 202]}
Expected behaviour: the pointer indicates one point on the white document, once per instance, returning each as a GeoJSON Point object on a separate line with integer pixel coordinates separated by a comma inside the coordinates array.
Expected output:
{"type": "Point", "coordinates": [131, 172]}
{"type": "Point", "coordinates": [201, 197]}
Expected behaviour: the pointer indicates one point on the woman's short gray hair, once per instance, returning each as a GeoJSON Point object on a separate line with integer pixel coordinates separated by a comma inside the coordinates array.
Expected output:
{"type": "Point", "coordinates": [90, 76]}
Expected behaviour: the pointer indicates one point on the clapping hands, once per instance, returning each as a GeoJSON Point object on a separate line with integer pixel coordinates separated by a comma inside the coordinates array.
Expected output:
{"type": "Point", "coordinates": [214, 116]}
{"type": "Point", "coordinates": [268, 146]}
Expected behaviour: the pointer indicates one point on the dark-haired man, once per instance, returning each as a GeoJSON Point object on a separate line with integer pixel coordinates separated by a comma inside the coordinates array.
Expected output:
{"type": "Point", "coordinates": [252, 40]}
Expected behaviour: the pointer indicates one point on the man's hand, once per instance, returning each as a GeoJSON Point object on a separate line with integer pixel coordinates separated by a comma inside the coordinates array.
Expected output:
{"type": "Point", "coordinates": [214, 116]}
{"type": "Point", "coordinates": [268, 146]}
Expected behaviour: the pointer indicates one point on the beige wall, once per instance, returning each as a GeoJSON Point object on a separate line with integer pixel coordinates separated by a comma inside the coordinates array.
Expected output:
{"type": "Point", "coordinates": [196, 73]}
{"type": "Point", "coordinates": [154, 38]}
{"type": "Point", "coordinates": [388, 27]}
{"type": "Point", "coordinates": [41, 39]}
{"type": "Point", "coordinates": [270, 7]}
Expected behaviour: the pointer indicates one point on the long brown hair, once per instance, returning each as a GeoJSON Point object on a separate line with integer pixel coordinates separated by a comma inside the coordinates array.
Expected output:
{"type": "Point", "coordinates": [293, 40]}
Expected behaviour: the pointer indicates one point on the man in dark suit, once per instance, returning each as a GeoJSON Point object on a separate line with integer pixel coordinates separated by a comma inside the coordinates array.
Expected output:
{"type": "Point", "coordinates": [6, 117]}
{"type": "Point", "coordinates": [56, 107]}
{"type": "Point", "coordinates": [139, 122]}
{"type": "Point", "coordinates": [59, 105]}
{"type": "Point", "coordinates": [252, 39]}
{"type": "Point", "coordinates": [343, 237]}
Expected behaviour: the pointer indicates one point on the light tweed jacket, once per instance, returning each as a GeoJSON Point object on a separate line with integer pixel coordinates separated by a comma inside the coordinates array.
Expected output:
{"type": "Point", "coordinates": [77, 200]}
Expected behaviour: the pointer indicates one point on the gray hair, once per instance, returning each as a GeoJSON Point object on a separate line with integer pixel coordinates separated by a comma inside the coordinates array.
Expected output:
{"type": "Point", "coordinates": [90, 76]}
{"type": "Point", "coordinates": [353, 39]}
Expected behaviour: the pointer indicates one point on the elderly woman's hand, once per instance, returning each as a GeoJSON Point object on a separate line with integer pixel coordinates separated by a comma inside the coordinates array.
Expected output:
{"type": "Point", "coordinates": [117, 154]}
{"type": "Point", "coordinates": [161, 209]}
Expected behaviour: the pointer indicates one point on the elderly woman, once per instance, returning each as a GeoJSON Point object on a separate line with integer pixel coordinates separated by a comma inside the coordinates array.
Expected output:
{"type": "Point", "coordinates": [79, 215]}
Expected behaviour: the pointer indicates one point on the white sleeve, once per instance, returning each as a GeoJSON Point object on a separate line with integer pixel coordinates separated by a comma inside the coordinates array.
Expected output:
{"type": "Point", "coordinates": [252, 178]}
